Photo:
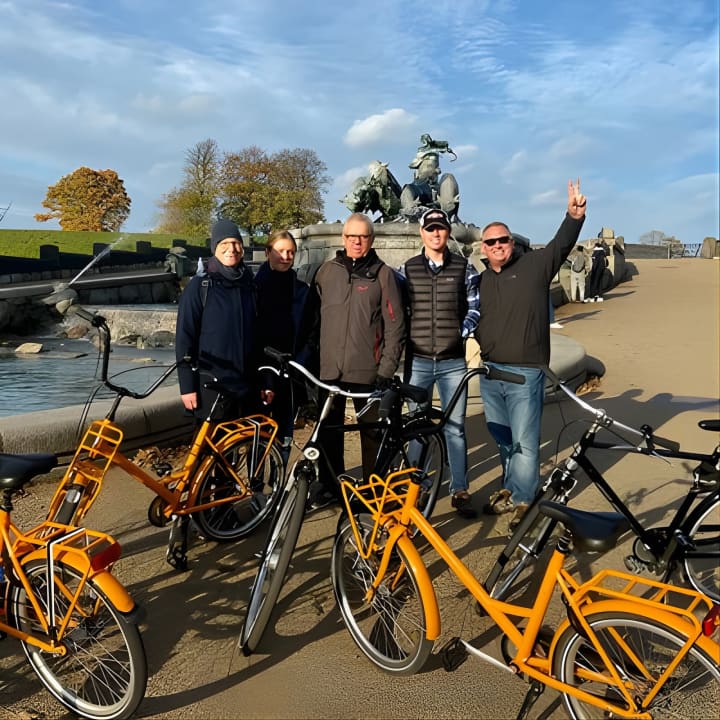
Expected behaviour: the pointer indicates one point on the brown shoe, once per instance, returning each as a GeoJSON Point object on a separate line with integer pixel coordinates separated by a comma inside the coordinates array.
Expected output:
{"type": "Point", "coordinates": [499, 503]}
{"type": "Point", "coordinates": [463, 505]}
{"type": "Point", "coordinates": [520, 510]}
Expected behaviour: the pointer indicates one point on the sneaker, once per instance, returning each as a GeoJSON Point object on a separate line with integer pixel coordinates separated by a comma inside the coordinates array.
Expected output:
{"type": "Point", "coordinates": [499, 503]}
{"type": "Point", "coordinates": [520, 510]}
{"type": "Point", "coordinates": [556, 326]}
{"type": "Point", "coordinates": [587, 300]}
{"type": "Point", "coordinates": [598, 299]}
{"type": "Point", "coordinates": [463, 505]}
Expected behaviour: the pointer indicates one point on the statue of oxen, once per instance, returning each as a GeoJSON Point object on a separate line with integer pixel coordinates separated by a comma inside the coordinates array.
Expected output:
{"type": "Point", "coordinates": [379, 191]}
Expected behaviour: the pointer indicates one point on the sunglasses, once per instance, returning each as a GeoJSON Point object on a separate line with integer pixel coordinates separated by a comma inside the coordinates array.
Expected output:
{"type": "Point", "coordinates": [504, 240]}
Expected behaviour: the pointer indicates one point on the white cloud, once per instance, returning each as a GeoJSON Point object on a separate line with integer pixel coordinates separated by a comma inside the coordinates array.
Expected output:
{"type": "Point", "coordinates": [394, 123]}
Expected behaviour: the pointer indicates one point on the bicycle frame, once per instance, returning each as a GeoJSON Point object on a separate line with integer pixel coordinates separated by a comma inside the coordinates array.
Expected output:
{"type": "Point", "coordinates": [662, 550]}
{"type": "Point", "coordinates": [99, 450]}
{"type": "Point", "coordinates": [391, 503]}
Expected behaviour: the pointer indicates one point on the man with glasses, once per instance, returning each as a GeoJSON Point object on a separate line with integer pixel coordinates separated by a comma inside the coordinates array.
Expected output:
{"type": "Point", "coordinates": [362, 335]}
{"type": "Point", "coordinates": [514, 334]}
{"type": "Point", "coordinates": [442, 289]}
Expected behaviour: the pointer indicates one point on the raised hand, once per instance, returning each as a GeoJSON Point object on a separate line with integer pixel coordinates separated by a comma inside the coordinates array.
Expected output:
{"type": "Point", "coordinates": [576, 200]}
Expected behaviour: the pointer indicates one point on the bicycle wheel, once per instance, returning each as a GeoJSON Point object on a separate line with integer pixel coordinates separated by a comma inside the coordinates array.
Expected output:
{"type": "Point", "coordinates": [233, 520]}
{"type": "Point", "coordinates": [702, 561]}
{"type": "Point", "coordinates": [390, 630]}
{"type": "Point", "coordinates": [512, 570]}
{"type": "Point", "coordinates": [693, 690]}
{"type": "Point", "coordinates": [104, 671]}
{"type": "Point", "coordinates": [280, 545]}
{"type": "Point", "coordinates": [428, 454]}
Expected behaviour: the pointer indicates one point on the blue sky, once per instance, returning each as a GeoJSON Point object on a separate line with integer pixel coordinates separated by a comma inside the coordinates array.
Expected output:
{"type": "Point", "coordinates": [529, 94]}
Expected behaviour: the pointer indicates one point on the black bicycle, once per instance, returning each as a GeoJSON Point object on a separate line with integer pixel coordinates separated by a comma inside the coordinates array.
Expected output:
{"type": "Point", "coordinates": [689, 544]}
{"type": "Point", "coordinates": [412, 439]}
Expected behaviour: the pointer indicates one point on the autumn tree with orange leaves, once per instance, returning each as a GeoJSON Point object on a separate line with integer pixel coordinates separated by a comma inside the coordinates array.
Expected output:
{"type": "Point", "coordinates": [87, 199]}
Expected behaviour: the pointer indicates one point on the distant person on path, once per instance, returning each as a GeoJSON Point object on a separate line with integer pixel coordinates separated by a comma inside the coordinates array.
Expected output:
{"type": "Point", "coordinates": [215, 330]}
{"type": "Point", "coordinates": [288, 321]}
{"type": "Point", "coordinates": [442, 292]}
{"type": "Point", "coordinates": [578, 271]}
{"type": "Point", "coordinates": [599, 262]}
{"type": "Point", "coordinates": [514, 335]}
{"type": "Point", "coordinates": [362, 334]}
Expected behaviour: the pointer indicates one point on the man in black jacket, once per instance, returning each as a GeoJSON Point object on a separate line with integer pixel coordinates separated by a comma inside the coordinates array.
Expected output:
{"type": "Point", "coordinates": [513, 334]}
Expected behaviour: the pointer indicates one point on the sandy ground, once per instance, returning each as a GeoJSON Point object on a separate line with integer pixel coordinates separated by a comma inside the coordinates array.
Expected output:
{"type": "Point", "coordinates": [658, 338]}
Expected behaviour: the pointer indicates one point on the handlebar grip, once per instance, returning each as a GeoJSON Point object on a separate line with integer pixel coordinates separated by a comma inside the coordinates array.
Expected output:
{"type": "Point", "coordinates": [280, 357]}
{"type": "Point", "coordinates": [388, 400]}
{"type": "Point", "coordinates": [494, 373]}
{"type": "Point", "coordinates": [671, 445]}
{"type": "Point", "coordinates": [93, 318]}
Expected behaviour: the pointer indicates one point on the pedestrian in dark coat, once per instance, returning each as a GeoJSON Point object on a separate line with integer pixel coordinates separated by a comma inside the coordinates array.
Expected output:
{"type": "Point", "coordinates": [215, 330]}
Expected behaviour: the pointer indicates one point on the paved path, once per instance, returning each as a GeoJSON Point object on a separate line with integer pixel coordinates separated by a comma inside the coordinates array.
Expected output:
{"type": "Point", "coordinates": [657, 335]}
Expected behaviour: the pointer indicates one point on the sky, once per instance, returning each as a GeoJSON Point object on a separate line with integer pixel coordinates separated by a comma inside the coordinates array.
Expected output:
{"type": "Point", "coordinates": [528, 94]}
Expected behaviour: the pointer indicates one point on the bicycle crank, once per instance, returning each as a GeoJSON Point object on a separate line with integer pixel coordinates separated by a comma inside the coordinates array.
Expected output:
{"type": "Point", "coordinates": [155, 513]}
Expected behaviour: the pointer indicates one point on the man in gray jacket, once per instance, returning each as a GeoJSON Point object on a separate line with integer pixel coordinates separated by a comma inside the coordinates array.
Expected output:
{"type": "Point", "coordinates": [362, 334]}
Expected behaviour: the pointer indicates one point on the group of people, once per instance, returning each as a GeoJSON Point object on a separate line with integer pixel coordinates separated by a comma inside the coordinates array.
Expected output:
{"type": "Point", "coordinates": [586, 273]}
{"type": "Point", "coordinates": [356, 319]}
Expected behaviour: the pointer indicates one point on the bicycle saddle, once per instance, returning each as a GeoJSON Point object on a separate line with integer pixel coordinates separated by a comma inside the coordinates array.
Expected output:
{"type": "Point", "coordinates": [16, 470]}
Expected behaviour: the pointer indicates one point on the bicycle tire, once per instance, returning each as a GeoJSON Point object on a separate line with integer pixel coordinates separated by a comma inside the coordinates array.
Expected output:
{"type": "Point", "coordinates": [234, 520]}
{"type": "Point", "coordinates": [103, 674]}
{"type": "Point", "coordinates": [703, 573]}
{"type": "Point", "coordinates": [391, 630]}
{"type": "Point", "coordinates": [510, 573]}
{"type": "Point", "coordinates": [693, 691]}
{"type": "Point", "coordinates": [432, 464]}
{"type": "Point", "coordinates": [279, 547]}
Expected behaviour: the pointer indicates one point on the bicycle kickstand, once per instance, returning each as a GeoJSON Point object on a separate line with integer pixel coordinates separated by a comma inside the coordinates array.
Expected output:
{"type": "Point", "coordinates": [535, 690]}
{"type": "Point", "coordinates": [178, 543]}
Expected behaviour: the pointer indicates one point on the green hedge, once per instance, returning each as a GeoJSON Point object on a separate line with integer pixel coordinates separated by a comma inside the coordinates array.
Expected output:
{"type": "Point", "coordinates": [26, 243]}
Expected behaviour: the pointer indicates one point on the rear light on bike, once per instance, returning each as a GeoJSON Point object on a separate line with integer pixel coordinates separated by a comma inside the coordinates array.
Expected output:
{"type": "Point", "coordinates": [711, 621]}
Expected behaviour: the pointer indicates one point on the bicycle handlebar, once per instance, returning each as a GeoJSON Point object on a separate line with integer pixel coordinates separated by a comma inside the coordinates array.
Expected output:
{"type": "Point", "coordinates": [99, 322]}
{"type": "Point", "coordinates": [645, 432]}
{"type": "Point", "coordinates": [285, 360]}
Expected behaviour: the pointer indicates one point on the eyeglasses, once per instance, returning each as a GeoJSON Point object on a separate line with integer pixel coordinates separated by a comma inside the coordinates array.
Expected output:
{"type": "Point", "coordinates": [361, 238]}
{"type": "Point", "coordinates": [504, 240]}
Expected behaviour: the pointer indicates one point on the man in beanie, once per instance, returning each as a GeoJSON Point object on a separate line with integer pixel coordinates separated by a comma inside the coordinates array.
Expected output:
{"type": "Point", "coordinates": [442, 290]}
{"type": "Point", "coordinates": [215, 331]}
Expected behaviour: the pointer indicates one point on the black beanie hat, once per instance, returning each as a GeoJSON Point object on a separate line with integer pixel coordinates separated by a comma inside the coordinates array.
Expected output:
{"type": "Point", "coordinates": [222, 230]}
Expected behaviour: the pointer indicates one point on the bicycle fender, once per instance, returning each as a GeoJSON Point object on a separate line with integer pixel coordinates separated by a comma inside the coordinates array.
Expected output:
{"type": "Point", "coordinates": [673, 620]}
{"type": "Point", "coordinates": [425, 586]}
{"type": "Point", "coordinates": [113, 589]}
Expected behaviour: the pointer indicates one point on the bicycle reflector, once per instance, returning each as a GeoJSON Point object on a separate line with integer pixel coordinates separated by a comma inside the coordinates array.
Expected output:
{"type": "Point", "coordinates": [711, 621]}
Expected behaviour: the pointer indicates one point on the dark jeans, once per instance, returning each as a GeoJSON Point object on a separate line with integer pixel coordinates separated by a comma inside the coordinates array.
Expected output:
{"type": "Point", "coordinates": [332, 462]}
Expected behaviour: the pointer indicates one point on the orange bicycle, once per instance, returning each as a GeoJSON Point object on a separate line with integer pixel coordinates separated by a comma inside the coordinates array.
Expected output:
{"type": "Point", "coordinates": [629, 647]}
{"type": "Point", "coordinates": [77, 624]}
{"type": "Point", "coordinates": [229, 484]}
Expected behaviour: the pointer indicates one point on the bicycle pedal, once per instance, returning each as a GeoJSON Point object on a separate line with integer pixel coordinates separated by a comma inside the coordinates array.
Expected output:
{"type": "Point", "coordinates": [453, 654]}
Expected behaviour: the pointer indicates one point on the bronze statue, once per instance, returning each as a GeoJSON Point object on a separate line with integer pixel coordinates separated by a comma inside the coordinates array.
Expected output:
{"type": "Point", "coordinates": [380, 191]}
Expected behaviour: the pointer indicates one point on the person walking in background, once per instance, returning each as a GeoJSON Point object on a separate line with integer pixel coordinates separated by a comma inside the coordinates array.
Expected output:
{"type": "Point", "coordinates": [599, 262]}
{"type": "Point", "coordinates": [578, 271]}
{"type": "Point", "coordinates": [513, 333]}
{"type": "Point", "coordinates": [215, 330]}
{"type": "Point", "coordinates": [288, 321]}
{"type": "Point", "coordinates": [442, 292]}
{"type": "Point", "coordinates": [362, 335]}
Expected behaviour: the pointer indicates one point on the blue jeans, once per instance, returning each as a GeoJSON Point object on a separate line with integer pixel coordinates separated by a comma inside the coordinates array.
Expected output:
{"type": "Point", "coordinates": [513, 414]}
{"type": "Point", "coordinates": [447, 374]}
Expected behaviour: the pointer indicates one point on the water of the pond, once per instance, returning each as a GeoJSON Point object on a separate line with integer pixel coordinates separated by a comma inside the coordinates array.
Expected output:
{"type": "Point", "coordinates": [44, 381]}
